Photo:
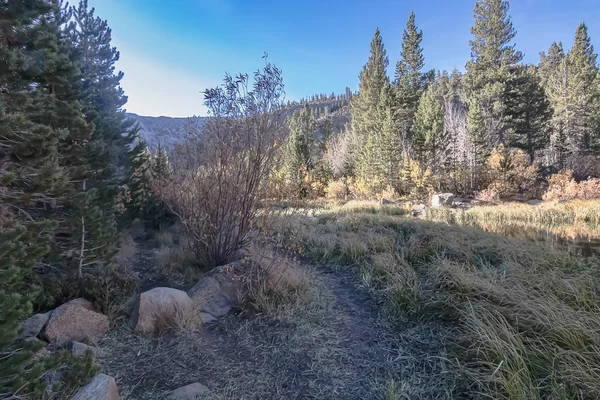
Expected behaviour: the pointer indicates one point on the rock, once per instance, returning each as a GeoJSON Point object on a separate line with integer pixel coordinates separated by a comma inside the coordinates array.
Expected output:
{"type": "Point", "coordinates": [33, 325]}
{"type": "Point", "coordinates": [160, 302]}
{"type": "Point", "coordinates": [206, 318]}
{"type": "Point", "coordinates": [76, 320]}
{"type": "Point", "coordinates": [218, 290]}
{"type": "Point", "coordinates": [102, 387]}
{"type": "Point", "coordinates": [385, 202]}
{"type": "Point", "coordinates": [418, 209]}
{"type": "Point", "coordinates": [43, 351]}
{"type": "Point", "coordinates": [193, 391]}
{"type": "Point", "coordinates": [442, 199]}
{"type": "Point", "coordinates": [78, 349]}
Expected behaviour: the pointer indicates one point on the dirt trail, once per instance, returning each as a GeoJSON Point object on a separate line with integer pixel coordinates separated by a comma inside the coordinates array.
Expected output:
{"type": "Point", "coordinates": [331, 344]}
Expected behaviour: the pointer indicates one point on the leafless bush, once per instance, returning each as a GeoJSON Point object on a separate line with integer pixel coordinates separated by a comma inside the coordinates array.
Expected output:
{"type": "Point", "coordinates": [218, 174]}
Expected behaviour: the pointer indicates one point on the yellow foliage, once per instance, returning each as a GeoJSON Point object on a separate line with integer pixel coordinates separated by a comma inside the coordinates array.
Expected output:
{"type": "Point", "coordinates": [510, 173]}
{"type": "Point", "coordinates": [562, 186]}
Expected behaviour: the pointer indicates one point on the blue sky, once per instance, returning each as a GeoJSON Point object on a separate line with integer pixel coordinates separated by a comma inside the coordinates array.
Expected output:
{"type": "Point", "coordinates": [173, 49]}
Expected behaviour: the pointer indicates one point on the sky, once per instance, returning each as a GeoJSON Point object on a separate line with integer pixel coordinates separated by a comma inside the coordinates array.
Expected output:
{"type": "Point", "coordinates": [171, 50]}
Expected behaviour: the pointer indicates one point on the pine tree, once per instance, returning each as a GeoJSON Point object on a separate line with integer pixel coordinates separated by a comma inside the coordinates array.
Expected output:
{"type": "Point", "coordinates": [31, 179]}
{"type": "Point", "coordinates": [142, 198]}
{"type": "Point", "coordinates": [494, 63]}
{"type": "Point", "coordinates": [431, 144]}
{"type": "Point", "coordinates": [570, 85]}
{"type": "Point", "coordinates": [410, 82]}
{"type": "Point", "coordinates": [299, 149]}
{"type": "Point", "coordinates": [373, 78]}
{"type": "Point", "coordinates": [550, 63]}
{"type": "Point", "coordinates": [531, 121]}
{"type": "Point", "coordinates": [583, 94]}
{"type": "Point", "coordinates": [102, 100]}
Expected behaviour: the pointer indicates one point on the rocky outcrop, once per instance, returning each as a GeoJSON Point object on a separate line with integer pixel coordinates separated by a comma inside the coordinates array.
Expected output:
{"type": "Point", "coordinates": [193, 391]}
{"type": "Point", "coordinates": [33, 325]}
{"type": "Point", "coordinates": [218, 290]}
{"type": "Point", "coordinates": [442, 199]}
{"type": "Point", "coordinates": [156, 304]}
{"type": "Point", "coordinates": [102, 387]}
{"type": "Point", "coordinates": [75, 320]}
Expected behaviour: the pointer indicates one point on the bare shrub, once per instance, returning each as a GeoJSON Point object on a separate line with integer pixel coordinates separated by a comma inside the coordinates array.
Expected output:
{"type": "Point", "coordinates": [219, 172]}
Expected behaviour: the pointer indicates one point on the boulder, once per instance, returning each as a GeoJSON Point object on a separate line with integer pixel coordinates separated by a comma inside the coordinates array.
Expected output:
{"type": "Point", "coordinates": [218, 290]}
{"type": "Point", "coordinates": [160, 302]}
{"type": "Point", "coordinates": [33, 325]}
{"type": "Point", "coordinates": [102, 387]}
{"type": "Point", "coordinates": [78, 349]}
{"type": "Point", "coordinates": [442, 199]}
{"type": "Point", "coordinates": [534, 202]}
{"type": "Point", "coordinates": [76, 320]}
{"type": "Point", "coordinates": [193, 391]}
{"type": "Point", "coordinates": [418, 209]}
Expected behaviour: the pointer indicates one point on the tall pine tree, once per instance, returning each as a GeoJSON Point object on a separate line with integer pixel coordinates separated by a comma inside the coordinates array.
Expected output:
{"type": "Point", "coordinates": [494, 63]}
{"type": "Point", "coordinates": [410, 82]}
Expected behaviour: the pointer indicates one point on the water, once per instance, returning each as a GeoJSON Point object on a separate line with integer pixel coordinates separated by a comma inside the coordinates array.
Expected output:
{"type": "Point", "coordinates": [582, 240]}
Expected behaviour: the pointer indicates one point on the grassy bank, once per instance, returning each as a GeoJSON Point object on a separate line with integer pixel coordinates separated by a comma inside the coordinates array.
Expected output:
{"type": "Point", "coordinates": [524, 318]}
{"type": "Point", "coordinates": [543, 214]}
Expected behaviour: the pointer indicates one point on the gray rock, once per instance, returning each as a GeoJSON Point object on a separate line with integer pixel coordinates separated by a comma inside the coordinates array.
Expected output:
{"type": "Point", "coordinates": [78, 349]}
{"type": "Point", "coordinates": [218, 290]}
{"type": "Point", "coordinates": [33, 325]}
{"type": "Point", "coordinates": [418, 209]}
{"type": "Point", "coordinates": [534, 202]}
{"type": "Point", "coordinates": [102, 387]}
{"type": "Point", "coordinates": [442, 199]}
{"type": "Point", "coordinates": [193, 391]}
{"type": "Point", "coordinates": [207, 318]}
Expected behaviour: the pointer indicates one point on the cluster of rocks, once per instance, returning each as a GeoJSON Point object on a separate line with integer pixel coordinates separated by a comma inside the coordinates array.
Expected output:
{"type": "Point", "coordinates": [76, 322]}
{"type": "Point", "coordinates": [68, 326]}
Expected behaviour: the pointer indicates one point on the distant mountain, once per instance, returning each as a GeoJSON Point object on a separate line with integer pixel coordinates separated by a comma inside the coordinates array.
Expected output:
{"type": "Point", "coordinates": [165, 131]}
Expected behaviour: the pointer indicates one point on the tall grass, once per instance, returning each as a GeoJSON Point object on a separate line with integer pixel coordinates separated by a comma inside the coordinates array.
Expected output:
{"type": "Point", "coordinates": [547, 214]}
{"type": "Point", "coordinates": [525, 317]}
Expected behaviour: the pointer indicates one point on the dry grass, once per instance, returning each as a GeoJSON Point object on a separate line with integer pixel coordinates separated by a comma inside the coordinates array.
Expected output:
{"type": "Point", "coordinates": [525, 318]}
{"type": "Point", "coordinates": [181, 319]}
{"type": "Point", "coordinates": [545, 214]}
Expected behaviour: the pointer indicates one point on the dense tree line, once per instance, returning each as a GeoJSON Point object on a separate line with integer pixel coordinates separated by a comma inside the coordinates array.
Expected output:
{"type": "Point", "coordinates": [65, 157]}
{"type": "Point", "coordinates": [443, 127]}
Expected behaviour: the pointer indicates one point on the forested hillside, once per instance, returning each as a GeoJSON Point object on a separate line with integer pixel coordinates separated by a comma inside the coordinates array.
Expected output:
{"type": "Point", "coordinates": [496, 130]}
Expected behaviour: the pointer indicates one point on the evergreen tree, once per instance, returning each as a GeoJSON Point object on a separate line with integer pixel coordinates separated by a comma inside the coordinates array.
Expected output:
{"type": "Point", "coordinates": [430, 141]}
{"type": "Point", "coordinates": [142, 199]}
{"type": "Point", "coordinates": [102, 100]}
{"type": "Point", "coordinates": [373, 78]}
{"type": "Point", "coordinates": [410, 82]}
{"type": "Point", "coordinates": [31, 179]}
{"type": "Point", "coordinates": [299, 149]}
{"type": "Point", "coordinates": [494, 61]}
{"type": "Point", "coordinates": [531, 124]}
{"type": "Point", "coordinates": [550, 63]}
{"type": "Point", "coordinates": [583, 94]}
{"type": "Point", "coordinates": [570, 84]}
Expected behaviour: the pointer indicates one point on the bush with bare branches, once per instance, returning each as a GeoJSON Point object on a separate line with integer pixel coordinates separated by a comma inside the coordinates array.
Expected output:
{"type": "Point", "coordinates": [219, 172]}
